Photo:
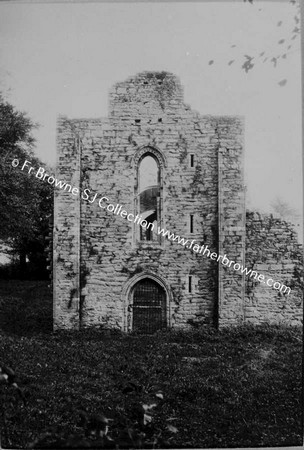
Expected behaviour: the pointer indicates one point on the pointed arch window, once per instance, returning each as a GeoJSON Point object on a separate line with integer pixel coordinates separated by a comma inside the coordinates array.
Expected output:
{"type": "Point", "coordinates": [148, 197]}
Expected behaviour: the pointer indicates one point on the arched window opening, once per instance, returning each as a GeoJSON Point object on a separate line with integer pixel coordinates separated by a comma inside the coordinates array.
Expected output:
{"type": "Point", "coordinates": [149, 197]}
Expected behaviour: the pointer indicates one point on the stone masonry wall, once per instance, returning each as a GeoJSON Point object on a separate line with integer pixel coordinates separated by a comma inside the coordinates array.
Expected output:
{"type": "Point", "coordinates": [231, 221]}
{"type": "Point", "coordinates": [147, 112]}
{"type": "Point", "coordinates": [272, 249]}
{"type": "Point", "coordinates": [97, 255]}
{"type": "Point", "coordinates": [66, 241]}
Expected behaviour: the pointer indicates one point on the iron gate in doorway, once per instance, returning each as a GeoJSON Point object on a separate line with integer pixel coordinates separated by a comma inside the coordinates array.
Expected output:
{"type": "Point", "coordinates": [149, 307]}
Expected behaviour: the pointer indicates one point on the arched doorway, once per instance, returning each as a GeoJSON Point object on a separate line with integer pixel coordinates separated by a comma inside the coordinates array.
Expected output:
{"type": "Point", "coordinates": [148, 305]}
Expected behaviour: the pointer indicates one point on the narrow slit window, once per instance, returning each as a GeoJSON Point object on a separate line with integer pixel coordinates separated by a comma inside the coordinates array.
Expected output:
{"type": "Point", "coordinates": [191, 223]}
{"type": "Point", "coordinates": [190, 284]}
{"type": "Point", "coordinates": [191, 160]}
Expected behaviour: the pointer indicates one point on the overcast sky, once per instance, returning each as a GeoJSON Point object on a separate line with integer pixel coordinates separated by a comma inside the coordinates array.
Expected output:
{"type": "Point", "coordinates": [63, 58]}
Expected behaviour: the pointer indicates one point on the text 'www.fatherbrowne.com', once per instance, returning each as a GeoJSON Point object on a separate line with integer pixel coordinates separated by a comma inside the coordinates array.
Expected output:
{"type": "Point", "coordinates": [104, 203]}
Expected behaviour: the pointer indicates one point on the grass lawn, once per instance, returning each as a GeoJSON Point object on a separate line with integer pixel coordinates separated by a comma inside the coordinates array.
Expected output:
{"type": "Point", "coordinates": [234, 388]}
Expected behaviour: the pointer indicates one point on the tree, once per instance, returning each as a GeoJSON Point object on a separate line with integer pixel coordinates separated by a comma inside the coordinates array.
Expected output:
{"type": "Point", "coordinates": [25, 201]}
{"type": "Point", "coordinates": [285, 211]}
{"type": "Point", "coordinates": [284, 46]}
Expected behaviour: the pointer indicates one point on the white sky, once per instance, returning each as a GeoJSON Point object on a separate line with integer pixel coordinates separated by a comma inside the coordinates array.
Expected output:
{"type": "Point", "coordinates": [63, 58]}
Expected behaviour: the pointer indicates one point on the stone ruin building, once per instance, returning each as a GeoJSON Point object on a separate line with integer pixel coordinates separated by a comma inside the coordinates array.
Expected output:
{"type": "Point", "coordinates": [156, 160]}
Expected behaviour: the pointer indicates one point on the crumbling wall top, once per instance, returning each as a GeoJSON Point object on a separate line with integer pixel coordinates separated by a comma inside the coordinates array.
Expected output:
{"type": "Point", "coordinates": [156, 90]}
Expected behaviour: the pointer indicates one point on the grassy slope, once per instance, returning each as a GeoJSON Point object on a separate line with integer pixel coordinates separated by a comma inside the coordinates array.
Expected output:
{"type": "Point", "coordinates": [237, 387]}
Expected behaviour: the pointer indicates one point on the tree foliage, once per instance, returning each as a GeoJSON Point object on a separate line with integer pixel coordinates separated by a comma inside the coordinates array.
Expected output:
{"type": "Point", "coordinates": [284, 210]}
{"type": "Point", "coordinates": [25, 201]}
{"type": "Point", "coordinates": [285, 46]}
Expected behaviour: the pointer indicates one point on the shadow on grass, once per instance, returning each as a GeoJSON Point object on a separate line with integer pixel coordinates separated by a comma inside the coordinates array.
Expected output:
{"type": "Point", "coordinates": [25, 307]}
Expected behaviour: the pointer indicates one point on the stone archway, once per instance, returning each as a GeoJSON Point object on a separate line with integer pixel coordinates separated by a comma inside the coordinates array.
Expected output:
{"type": "Point", "coordinates": [147, 304]}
